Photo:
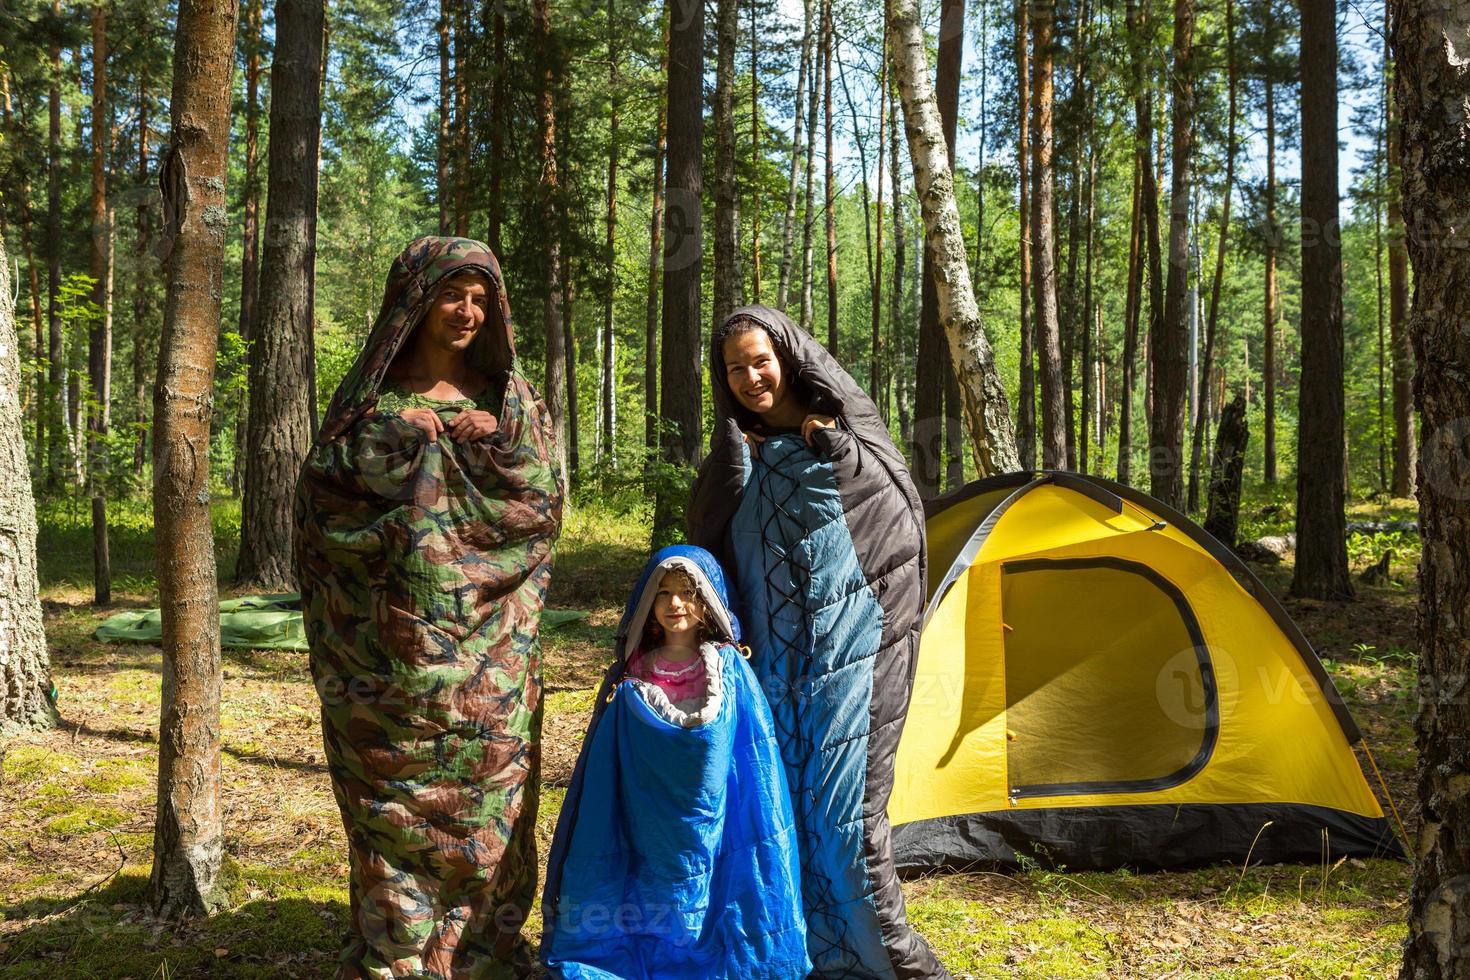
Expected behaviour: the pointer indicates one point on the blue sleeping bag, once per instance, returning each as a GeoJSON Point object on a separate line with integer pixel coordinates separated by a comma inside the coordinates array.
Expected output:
{"type": "Point", "coordinates": [675, 851]}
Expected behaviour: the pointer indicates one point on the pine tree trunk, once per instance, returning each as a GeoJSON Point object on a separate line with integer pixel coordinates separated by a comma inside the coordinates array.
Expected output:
{"type": "Point", "coordinates": [1170, 342]}
{"type": "Point", "coordinates": [99, 345]}
{"type": "Point", "coordinates": [987, 412]}
{"type": "Point", "coordinates": [25, 667]}
{"type": "Point", "coordinates": [932, 371]}
{"type": "Point", "coordinates": [1405, 436]}
{"type": "Point", "coordinates": [1132, 310]}
{"type": "Point", "coordinates": [809, 199]}
{"type": "Point", "coordinates": [1043, 247]}
{"type": "Point", "coordinates": [59, 442]}
{"type": "Point", "coordinates": [829, 185]}
{"type": "Point", "coordinates": [1321, 535]}
{"type": "Point", "coordinates": [188, 838]}
{"type": "Point", "coordinates": [442, 187]}
{"type": "Point", "coordinates": [788, 221]}
{"type": "Point", "coordinates": [651, 321]}
{"type": "Point", "coordinates": [250, 234]}
{"type": "Point", "coordinates": [681, 397]}
{"type": "Point", "coordinates": [1433, 91]}
{"type": "Point", "coordinates": [461, 119]}
{"type": "Point", "coordinates": [1026, 411]}
{"type": "Point", "coordinates": [610, 253]}
{"type": "Point", "coordinates": [900, 249]}
{"type": "Point", "coordinates": [1137, 19]}
{"type": "Point", "coordinates": [877, 383]}
{"type": "Point", "coordinates": [727, 220]}
{"type": "Point", "coordinates": [1225, 473]}
{"type": "Point", "coordinates": [1207, 362]}
{"type": "Point", "coordinates": [1268, 359]}
{"type": "Point", "coordinates": [569, 351]}
{"type": "Point", "coordinates": [1089, 209]}
{"type": "Point", "coordinates": [499, 123]}
{"type": "Point", "coordinates": [755, 157]}
{"type": "Point", "coordinates": [279, 432]}
{"type": "Point", "coordinates": [555, 389]}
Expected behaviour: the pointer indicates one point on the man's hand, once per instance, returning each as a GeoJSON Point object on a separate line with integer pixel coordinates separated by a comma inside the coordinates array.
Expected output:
{"type": "Point", "coordinates": [426, 420]}
{"type": "Point", "coordinates": [813, 423]}
{"type": "Point", "coordinates": [472, 424]}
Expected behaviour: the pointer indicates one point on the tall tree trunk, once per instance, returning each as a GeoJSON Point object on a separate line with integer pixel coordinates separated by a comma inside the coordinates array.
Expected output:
{"type": "Point", "coordinates": [461, 118]}
{"type": "Point", "coordinates": [809, 201]}
{"type": "Point", "coordinates": [1043, 247]}
{"type": "Point", "coordinates": [1207, 362]}
{"type": "Point", "coordinates": [188, 837]}
{"type": "Point", "coordinates": [987, 412]}
{"type": "Point", "coordinates": [681, 407]}
{"type": "Point", "coordinates": [250, 234]}
{"type": "Point", "coordinates": [142, 289]}
{"type": "Point", "coordinates": [1268, 361]}
{"type": "Point", "coordinates": [727, 215]}
{"type": "Point", "coordinates": [500, 121]}
{"type": "Point", "coordinates": [1405, 438]}
{"type": "Point", "coordinates": [22, 192]}
{"type": "Point", "coordinates": [651, 321]}
{"type": "Point", "coordinates": [788, 221]}
{"type": "Point", "coordinates": [443, 190]}
{"type": "Point", "coordinates": [1137, 20]}
{"type": "Point", "coordinates": [1384, 448]}
{"type": "Point", "coordinates": [755, 157]}
{"type": "Point", "coordinates": [1170, 342]}
{"type": "Point", "coordinates": [1321, 533]}
{"type": "Point", "coordinates": [1073, 322]}
{"type": "Point", "coordinates": [59, 436]}
{"type": "Point", "coordinates": [25, 666]}
{"type": "Point", "coordinates": [99, 341]}
{"type": "Point", "coordinates": [900, 248]}
{"type": "Point", "coordinates": [1089, 209]}
{"type": "Point", "coordinates": [877, 383]}
{"type": "Point", "coordinates": [555, 388]}
{"type": "Point", "coordinates": [1432, 90]}
{"type": "Point", "coordinates": [280, 428]}
{"type": "Point", "coordinates": [609, 339]}
{"type": "Point", "coordinates": [569, 351]}
{"type": "Point", "coordinates": [1026, 412]}
{"type": "Point", "coordinates": [829, 184]}
{"type": "Point", "coordinates": [1132, 310]}
{"type": "Point", "coordinates": [932, 370]}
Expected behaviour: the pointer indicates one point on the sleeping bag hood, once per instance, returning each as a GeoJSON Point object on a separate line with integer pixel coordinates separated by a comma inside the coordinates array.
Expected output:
{"type": "Point", "coordinates": [675, 852]}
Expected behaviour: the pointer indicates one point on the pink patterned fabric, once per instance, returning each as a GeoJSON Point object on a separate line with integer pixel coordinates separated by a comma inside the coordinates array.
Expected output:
{"type": "Point", "coordinates": [681, 680]}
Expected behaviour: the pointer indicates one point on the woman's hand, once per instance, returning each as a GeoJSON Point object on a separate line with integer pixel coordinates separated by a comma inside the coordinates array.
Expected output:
{"type": "Point", "coordinates": [426, 420]}
{"type": "Point", "coordinates": [472, 424]}
{"type": "Point", "coordinates": [813, 423]}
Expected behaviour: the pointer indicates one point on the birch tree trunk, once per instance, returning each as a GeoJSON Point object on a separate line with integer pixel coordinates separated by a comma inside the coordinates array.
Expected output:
{"type": "Point", "coordinates": [188, 837]}
{"type": "Point", "coordinates": [1433, 92]}
{"type": "Point", "coordinates": [279, 432]}
{"type": "Point", "coordinates": [987, 411]}
{"type": "Point", "coordinates": [25, 667]}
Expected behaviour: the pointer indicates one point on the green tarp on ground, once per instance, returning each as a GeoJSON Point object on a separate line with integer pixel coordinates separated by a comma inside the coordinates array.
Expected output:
{"type": "Point", "coordinates": [255, 622]}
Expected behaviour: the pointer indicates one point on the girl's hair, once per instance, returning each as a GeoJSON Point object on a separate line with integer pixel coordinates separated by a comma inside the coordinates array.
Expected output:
{"type": "Point", "coordinates": [653, 633]}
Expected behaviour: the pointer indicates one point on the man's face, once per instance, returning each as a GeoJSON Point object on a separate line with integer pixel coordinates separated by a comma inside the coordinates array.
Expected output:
{"type": "Point", "coordinates": [456, 314]}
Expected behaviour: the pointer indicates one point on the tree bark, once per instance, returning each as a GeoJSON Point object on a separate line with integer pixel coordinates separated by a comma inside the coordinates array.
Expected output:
{"type": "Point", "coordinates": [461, 119]}
{"type": "Point", "coordinates": [1268, 359]}
{"type": "Point", "coordinates": [188, 838]}
{"type": "Point", "coordinates": [59, 435]}
{"type": "Point", "coordinates": [25, 666]}
{"type": "Point", "coordinates": [788, 221]}
{"type": "Point", "coordinates": [1043, 248]}
{"type": "Point", "coordinates": [813, 104]}
{"type": "Point", "coordinates": [987, 412]}
{"type": "Point", "coordinates": [829, 185]}
{"type": "Point", "coordinates": [569, 351]}
{"type": "Point", "coordinates": [250, 234]}
{"type": "Point", "coordinates": [1433, 92]}
{"type": "Point", "coordinates": [99, 341]}
{"type": "Point", "coordinates": [1321, 552]}
{"type": "Point", "coordinates": [555, 390]}
{"type": "Point", "coordinates": [1405, 437]}
{"type": "Point", "coordinates": [877, 383]}
{"type": "Point", "coordinates": [1207, 362]}
{"type": "Point", "coordinates": [755, 157]}
{"type": "Point", "coordinates": [443, 190]}
{"type": "Point", "coordinates": [1137, 19]}
{"type": "Point", "coordinates": [727, 216]}
{"type": "Point", "coordinates": [900, 249]}
{"type": "Point", "coordinates": [1089, 208]}
{"type": "Point", "coordinates": [1131, 312]}
{"type": "Point", "coordinates": [655, 260]}
{"type": "Point", "coordinates": [609, 339]}
{"type": "Point", "coordinates": [1225, 473]}
{"type": "Point", "coordinates": [1170, 342]}
{"type": "Point", "coordinates": [1026, 413]}
{"type": "Point", "coordinates": [142, 288]}
{"type": "Point", "coordinates": [500, 121]}
{"type": "Point", "coordinates": [681, 397]}
{"type": "Point", "coordinates": [279, 433]}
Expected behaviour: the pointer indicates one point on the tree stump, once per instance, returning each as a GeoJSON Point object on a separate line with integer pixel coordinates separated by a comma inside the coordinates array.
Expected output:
{"type": "Point", "coordinates": [1225, 471]}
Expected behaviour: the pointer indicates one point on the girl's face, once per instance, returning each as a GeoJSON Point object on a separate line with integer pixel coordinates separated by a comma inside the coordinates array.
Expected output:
{"type": "Point", "coordinates": [678, 609]}
{"type": "Point", "coordinates": [457, 313]}
{"type": "Point", "coordinates": [754, 371]}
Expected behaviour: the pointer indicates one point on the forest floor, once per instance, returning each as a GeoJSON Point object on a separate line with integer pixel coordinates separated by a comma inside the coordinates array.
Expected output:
{"type": "Point", "coordinates": [77, 803]}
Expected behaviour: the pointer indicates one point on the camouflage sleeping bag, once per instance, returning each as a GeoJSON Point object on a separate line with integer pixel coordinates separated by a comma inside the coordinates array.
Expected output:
{"type": "Point", "coordinates": [825, 542]}
{"type": "Point", "coordinates": [423, 570]}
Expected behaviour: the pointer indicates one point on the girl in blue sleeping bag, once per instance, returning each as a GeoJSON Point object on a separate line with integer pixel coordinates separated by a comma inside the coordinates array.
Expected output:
{"type": "Point", "coordinates": [675, 853]}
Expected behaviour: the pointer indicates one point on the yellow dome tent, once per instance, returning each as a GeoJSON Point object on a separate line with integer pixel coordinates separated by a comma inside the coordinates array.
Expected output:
{"type": "Point", "coordinates": [1101, 683]}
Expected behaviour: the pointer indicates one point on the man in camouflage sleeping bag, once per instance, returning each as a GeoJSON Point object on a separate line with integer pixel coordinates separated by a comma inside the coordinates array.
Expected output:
{"type": "Point", "coordinates": [425, 517]}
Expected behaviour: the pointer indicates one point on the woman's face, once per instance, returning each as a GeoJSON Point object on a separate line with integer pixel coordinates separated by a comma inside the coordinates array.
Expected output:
{"type": "Point", "coordinates": [456, 314]}
{"type": "Point", "coordinates": [754, 371]}
{"type": "Point", "coordinates": [677, 608]}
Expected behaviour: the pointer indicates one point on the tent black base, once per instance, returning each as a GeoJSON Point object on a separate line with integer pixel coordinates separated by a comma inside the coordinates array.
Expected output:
{"type": "Point", "coordinates": [1147, 837]}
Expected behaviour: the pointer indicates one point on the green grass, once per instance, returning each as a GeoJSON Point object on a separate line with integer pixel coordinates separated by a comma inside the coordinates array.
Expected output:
{"type": "Point", "coordinates": [76, 804]}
